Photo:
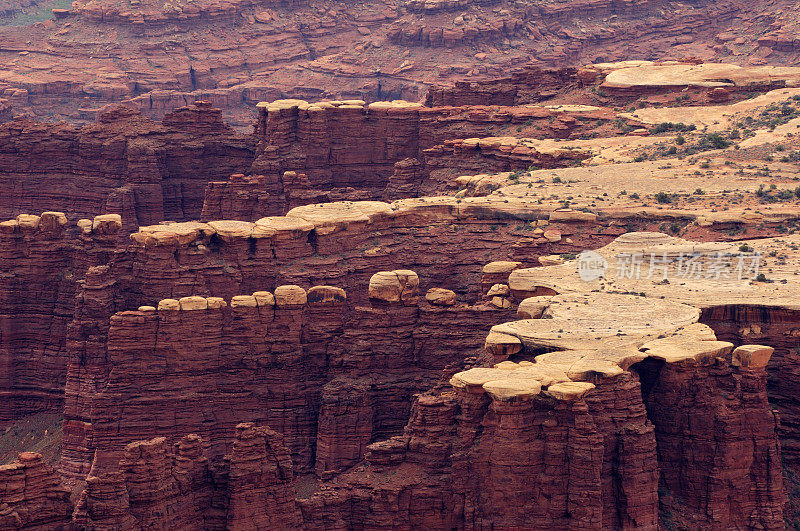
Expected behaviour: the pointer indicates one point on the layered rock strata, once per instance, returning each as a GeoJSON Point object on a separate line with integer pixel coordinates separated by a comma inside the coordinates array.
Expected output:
{"type": "Point", "coordinates": [31, 496]}
{"type": "Point", "coordinates": [587, 434]}
{"type": "Point", "coordinates": [343, 145]}
{"type": "Point", "coordinates": [123, 164]}
{"type": "Point", "coordinates": [331, 377]}
{"type": "Point", "coordinates": [154, 485]}
{"type": "Point", "coordinates": [742, 308]}
{"type": "Point", "coordinates": [43, 258]}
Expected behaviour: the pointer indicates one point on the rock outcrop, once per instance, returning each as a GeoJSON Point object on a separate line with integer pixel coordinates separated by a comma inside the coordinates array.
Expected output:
{"type": "Point", "coordinates": [123, 164]}
{"type": "Point", "coordinates": [153, 485]}
{"type": "Point", "coordinates": [31, 496]}
{"type": "Point", "coordinates": [305, 362]}
{"type": "Point", "coordinates": [43, 259]}
{"type": "Point", "coordinates": [587, 435]}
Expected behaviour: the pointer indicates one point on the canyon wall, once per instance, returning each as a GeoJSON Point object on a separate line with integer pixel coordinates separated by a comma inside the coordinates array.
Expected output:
{"type": "Point", "coordinates": [526, 85]}
{"type": "Point", "coordinates": [155, 484]}
{"type": "Point", "coordinates": [43, 260]}
{"type": "Point", "coordinates": [584, 455]}
{"type": "Point", "coordinates": [329, 376]}
{"type": "Point", "coordinates": [31, 496]}
{"type": "Point", "coordinates": [353, 150]}
{"type": "Point", "coordinates": [124, 164]}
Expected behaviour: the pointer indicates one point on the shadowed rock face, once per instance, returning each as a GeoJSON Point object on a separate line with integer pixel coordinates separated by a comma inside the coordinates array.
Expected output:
{"type": "Point", "coordinates": [251, 488]}
{"type": "Point", "coordinates": [123, 164]}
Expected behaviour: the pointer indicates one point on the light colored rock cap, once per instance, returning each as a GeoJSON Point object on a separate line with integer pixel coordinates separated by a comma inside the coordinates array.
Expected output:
{"type": "Point", "coordinates": [533, 307]}
{"type": "Point", "coordinates": [244, 301]}
{"type": "Point", "coordinates": [52, 221]}
{"type": "Point", "coordinates": [28, 221]}
{"type": "Point", "coordinates": [501, 266]}
{"type": "Point", "coordinates": [168, 305]}
{"type": "Point", "coordinates": [107, 224]}
{"type": "Point", "coordinates": [502, 345]}
{"type": "Point", "coordinates": [264, 299]}
{"type": "Point", "coordinates": [194, 302]}
{"type": "Point", "coordinates": [328, 218]}
{"type": "Point", "coordinates": [319, 296]}
{"type": "Point", "coordinates": [290, 296]}
{"type": "Point", "coordinates": [498, 290]}
{"type": "Point", "coordinates": [751, 356]}
{"type": "Point", "coordinates": [400, 286]}
{"type": "Point", "coordinates": [440, 297]}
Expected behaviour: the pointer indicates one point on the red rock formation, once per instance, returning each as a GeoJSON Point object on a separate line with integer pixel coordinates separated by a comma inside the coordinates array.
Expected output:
{"type": "Point", "coordinates": [717, 449]}
{"type": "Point", "coordinates": [123, 164]}
{"type": "Point", "coordinates": [260, 489]}
{"type": "Point", "coordinates": [588, 462]}
{"type": "Point", "coordinates": [336, 145]}
{"type": "Point", "coordinates": [779, 328]}
{"type": "Point", "coordinates": [31, 496]}
{"type": "Point", "coordinates": [418, 33]}
{"type": "Point", "coordinates": [346, 147]}
{"type": "Point", "coordinates": [248, 198]}
{"type": "Point", "coordinates": [464, 460]}
{"type": "Point", "coordinates": [474, 155]}
{"type": "Point", "coordinates": [280, 378]}
{"type": "Point", "coordinates": [43, 260]}
{"type": "Point", "coordinates": [251, 488]}
{"type": "Point", "coordinates": [104, 504]}
{"type": "Point", "coordinates": [527, 85]}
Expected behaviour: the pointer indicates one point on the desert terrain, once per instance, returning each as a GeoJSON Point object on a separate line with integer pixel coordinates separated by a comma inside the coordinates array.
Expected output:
{"type": "Point", "coordinates": [420, 265]}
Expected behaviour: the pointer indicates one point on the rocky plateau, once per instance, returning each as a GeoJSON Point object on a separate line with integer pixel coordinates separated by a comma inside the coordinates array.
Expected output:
{"type": "Point", "coordinates": [418, 265]}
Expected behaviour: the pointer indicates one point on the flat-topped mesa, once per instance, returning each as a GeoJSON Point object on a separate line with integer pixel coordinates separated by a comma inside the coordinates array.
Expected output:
{"type": "Point", "coordinates": [528, 85]}
{"type": "Point", "coordinates": [575, 346]}
{"type": "Point", "coordinates": [494, 154]}
{"type": "Point", "coordinates": [350, 216]}
{"type": "Point", "coordinates": [649, 77]}
{"type": "Point", "coordinates": [606, 386]}
{"type": "Point", "coordinates": [339, 145]}
{"type": "Point", "coordinates": [49, 225]}
{"type": "Point", "coordinates": [275, 113]}
{"type": "Point", "coordinates": [346, 144]}
{"type": "Point", "coordinates": [229, 338]}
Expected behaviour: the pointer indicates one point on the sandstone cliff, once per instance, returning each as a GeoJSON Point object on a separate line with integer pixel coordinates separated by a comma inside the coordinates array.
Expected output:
{"type": "Point", "coordinates": [123, 164]}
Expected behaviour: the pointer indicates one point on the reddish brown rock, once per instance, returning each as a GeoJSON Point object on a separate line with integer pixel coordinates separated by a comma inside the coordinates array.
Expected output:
{"type": "Point", "coordinates": [260, 489]}
{"type": "Point", "coordinates": [43, 258]}
{"type": "Point", "coordinates": [31, 496]}
{"type": "Point", "coordinates": [124, 164]}
{"type": "Point", "coordinates": [523, 86]}
{"type": "Point", "coordinates": [251, 488]}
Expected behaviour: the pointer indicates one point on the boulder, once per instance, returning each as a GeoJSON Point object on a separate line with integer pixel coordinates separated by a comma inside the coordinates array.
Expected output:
{"type": "Point", "coordinates": [440, 297]}
{"type": "Point", "coordinates": [400, 286]}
